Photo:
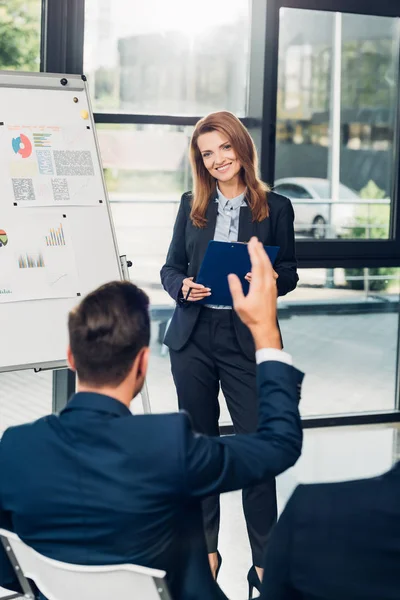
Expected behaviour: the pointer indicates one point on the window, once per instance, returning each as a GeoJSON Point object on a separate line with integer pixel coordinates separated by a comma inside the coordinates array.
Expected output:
{"type": "Point", "coordinates": [24, 396]}
{"type": "Point", "coordinates": [341, 327]}
{"type": "Point", "coordinates": [335, 146]}
{"type": "Point", "coordinates": [146, 170]}
{"type": "Point", "coordinates": [20, 23]}
{"type": "Point", "coordinates": [166, 58]}
{"type": "Point", "coordinates": [336, 109]}
{"type": "Point", "coordinates": [292, 191]}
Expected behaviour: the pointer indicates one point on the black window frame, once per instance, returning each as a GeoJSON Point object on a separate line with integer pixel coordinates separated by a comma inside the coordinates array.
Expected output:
{"type": "Point", "coordinates": [61, 51]}
{"type": "Point", "coordinates": [330, 253]}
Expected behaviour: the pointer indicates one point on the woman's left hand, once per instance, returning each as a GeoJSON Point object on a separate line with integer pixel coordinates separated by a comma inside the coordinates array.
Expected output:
{"type": "Point", "coordinates": [248, 276]}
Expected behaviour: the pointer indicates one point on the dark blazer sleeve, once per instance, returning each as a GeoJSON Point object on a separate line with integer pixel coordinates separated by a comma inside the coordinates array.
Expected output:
{"type": "Point", "coordinates": [277, 567]}
{"type": "Point", "coordinates": [175, 269]}
{"type": "Point", "coordinates": [216, 465]}
{"type": "Point", "coordinates": [286, 263]}
{"type": "Point", "coordinates": [8, 579]}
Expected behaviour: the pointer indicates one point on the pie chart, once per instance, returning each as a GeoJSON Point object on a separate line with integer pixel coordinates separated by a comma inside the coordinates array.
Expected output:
{"type": "Point", "coordinates": [3, 238]}
{"type": "Point", "coordinates": [22, 145]}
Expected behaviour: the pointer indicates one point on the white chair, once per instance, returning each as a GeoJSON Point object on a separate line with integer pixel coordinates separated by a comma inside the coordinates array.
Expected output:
{"type": "Point", "coordinates": [63, 581]}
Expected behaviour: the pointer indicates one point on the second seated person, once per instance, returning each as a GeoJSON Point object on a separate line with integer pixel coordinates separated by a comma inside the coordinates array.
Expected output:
{"type": "Point", "coordinates": [209, 345]}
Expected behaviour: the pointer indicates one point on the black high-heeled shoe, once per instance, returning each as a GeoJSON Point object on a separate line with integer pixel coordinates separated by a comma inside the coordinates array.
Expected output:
{"type": "Point", "coordinates": [253, 581]}
{"type": "Point", "coordinates": [219, 565]}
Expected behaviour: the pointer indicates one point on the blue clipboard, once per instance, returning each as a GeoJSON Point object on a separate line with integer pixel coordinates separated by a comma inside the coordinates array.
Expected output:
{"type": "Point", "coordinates": [222, 258]}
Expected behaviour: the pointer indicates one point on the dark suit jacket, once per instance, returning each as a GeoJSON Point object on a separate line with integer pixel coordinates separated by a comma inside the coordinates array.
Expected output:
{"type": "Point", "coordinates": [337, 541]}
{"type": "Point", "coordinates": [189, 244]}
{"type": "Point", "coordinates": [97, 485]}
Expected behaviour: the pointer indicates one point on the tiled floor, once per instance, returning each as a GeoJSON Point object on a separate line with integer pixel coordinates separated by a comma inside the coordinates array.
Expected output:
{"type": "Point", "coordinates": [328, 455]}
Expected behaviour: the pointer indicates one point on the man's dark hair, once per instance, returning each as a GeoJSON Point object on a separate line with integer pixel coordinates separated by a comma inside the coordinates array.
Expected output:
{"type": "Point", "coordinates": [107, 330]}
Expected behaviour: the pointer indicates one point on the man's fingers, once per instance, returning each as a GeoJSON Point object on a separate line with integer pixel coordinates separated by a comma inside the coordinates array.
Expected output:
{"type": "Point", "coordinates": [235, 288]}
{"type": "Point", "coordinates": [260, 263]}
{"type": "Point", "coordinates": [256, 261]}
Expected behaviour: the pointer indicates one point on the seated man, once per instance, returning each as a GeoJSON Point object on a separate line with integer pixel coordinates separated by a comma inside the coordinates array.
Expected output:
{"type": "Point", "coordinates": [337, 541]}
{"type": "Point", "coordinates": [97, 485]}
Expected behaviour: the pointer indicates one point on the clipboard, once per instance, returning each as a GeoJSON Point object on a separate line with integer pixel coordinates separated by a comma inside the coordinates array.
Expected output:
{"type": "Point", "coordinates": [222, 258]}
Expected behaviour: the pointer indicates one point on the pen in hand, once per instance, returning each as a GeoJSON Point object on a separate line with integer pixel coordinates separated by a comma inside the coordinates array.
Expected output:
{"type": "Point", "coordinates": [196, 291]}
{"type": "Point", "coordinates": [188, 292]}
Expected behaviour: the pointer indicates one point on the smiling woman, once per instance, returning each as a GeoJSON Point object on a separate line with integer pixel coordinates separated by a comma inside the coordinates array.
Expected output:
{"type": "Point", "coordinates": [209, 345]}
{"type": "Point", "coordinates": [222, 150]}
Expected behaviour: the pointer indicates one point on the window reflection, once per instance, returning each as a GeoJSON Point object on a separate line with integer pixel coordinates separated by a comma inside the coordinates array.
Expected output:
{"type": "Point", "coordinates": [367, 51]}
{"type": "Point", "coordinates": [166, 58]}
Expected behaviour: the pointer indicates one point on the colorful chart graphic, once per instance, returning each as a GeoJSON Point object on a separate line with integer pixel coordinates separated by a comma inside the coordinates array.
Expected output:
{"type": "Point", "coordinates": [30, 261]}
{"type": "Point", "coordinates": [22, 145]}
{"type": "Point", "coordinates": [56, 237]}
{"type": "Point", "coordinates": [42, 140]}
{"type": "Point", "coordinates": [3, 238]}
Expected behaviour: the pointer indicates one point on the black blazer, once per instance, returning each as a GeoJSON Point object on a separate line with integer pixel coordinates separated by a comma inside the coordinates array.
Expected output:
{"type": "Point", "coordinates": [337, 541]}
{"type": "Point", "coordinates": [189, 244]}
{"type": "Point", "coordinates": [97, 485]}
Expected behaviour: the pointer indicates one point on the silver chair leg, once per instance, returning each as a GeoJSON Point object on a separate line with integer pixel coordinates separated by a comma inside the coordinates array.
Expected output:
{"type": "Point", "coordinates": [145, 399]}
{"type": "Point", "coordinates": [164, 348]}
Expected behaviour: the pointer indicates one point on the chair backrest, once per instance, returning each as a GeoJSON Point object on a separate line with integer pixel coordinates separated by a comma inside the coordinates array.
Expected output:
{"type": "Point", "coordinates": [63, 581]}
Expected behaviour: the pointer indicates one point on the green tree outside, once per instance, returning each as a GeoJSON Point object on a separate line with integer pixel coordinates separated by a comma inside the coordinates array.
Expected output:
{"type": "Point", "coordinates": [372, 223]}
{"type": "Point", "coordinates": [20, 34]}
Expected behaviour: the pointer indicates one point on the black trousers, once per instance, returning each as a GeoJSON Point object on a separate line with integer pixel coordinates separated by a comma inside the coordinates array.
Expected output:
{"type": "Point", "coordinates": [210, 358]}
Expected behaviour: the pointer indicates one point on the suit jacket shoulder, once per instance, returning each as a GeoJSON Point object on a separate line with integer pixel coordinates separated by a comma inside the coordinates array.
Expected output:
{"type": "Point", "coordinates": [277, 201]}
{"type": "Point", "coordinates": [324, 504]}
{"type": "Point", "coordinates": [187, 197]}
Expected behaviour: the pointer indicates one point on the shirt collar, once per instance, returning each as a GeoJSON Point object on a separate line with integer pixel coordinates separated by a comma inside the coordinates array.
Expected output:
{"type": "Point", "coordinates": [234, 202]}
{"type": "Point", "coordinates": [97, 403]}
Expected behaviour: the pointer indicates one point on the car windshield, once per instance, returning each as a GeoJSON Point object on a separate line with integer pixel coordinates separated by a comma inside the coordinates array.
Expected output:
{"type": "Point", "coordinates": [322, 189]}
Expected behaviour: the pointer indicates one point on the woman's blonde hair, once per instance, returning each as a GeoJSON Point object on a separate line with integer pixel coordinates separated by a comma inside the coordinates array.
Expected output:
{"type": "Point", "coordinates": [204, 185]}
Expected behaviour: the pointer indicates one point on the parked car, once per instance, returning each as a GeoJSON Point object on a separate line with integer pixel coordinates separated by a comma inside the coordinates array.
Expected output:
{"type": "Point", "coordinates": [312, 216]}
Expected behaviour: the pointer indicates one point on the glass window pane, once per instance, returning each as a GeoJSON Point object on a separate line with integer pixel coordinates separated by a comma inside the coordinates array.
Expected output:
{"type": "Point", "coordinates": [165, 58]}
{"type": "Point", "coordinates": [24, 396]}
{"type": "Point", "coordinates": [292, 191]}
{"type": "Point", "coordinates": [341, 327]}
{"type": "Point", "coordinates": [343, 332]}
{"type": "Point", "coordinates": [147, 170]}
{"type": "Point", "coordinates": [20, 25]}
{"type": "Point", "coordinates": [336, 109]}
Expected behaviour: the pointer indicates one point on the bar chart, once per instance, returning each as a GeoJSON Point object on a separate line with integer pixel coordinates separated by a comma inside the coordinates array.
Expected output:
{"type": "Point", "coordinates": [42, 140]}
{"type": "Point", "coordinates": [56, 237]}
{"type": "Point", "coordinates": [31, 261]}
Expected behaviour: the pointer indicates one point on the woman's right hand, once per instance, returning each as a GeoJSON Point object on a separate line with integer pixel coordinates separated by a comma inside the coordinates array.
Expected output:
{"type": "Point", "coordinates": [197, 291]}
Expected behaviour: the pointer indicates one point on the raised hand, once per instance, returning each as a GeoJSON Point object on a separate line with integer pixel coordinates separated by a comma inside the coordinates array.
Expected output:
{"type": "Point", "coordinates": [248, 276]}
